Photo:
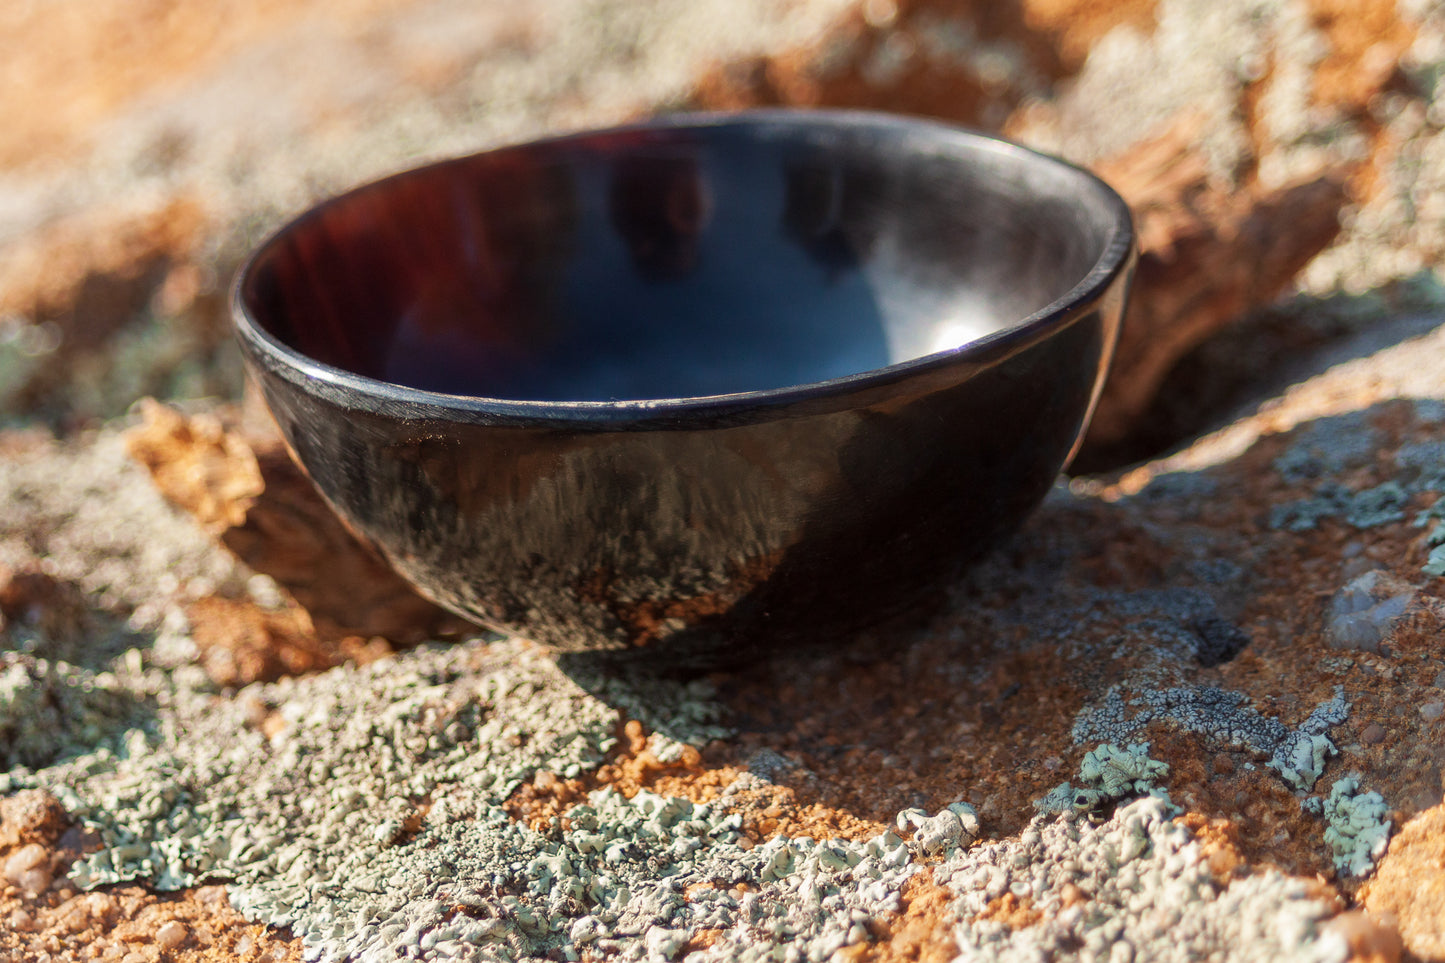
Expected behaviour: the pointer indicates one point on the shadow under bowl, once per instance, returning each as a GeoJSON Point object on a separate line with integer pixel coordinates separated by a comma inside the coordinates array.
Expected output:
{"type": "Point", "coordinates": [708, 386]}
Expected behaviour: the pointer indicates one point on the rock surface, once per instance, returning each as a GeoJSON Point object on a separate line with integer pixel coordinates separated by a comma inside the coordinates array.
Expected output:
{"type": "Point", "coordinates": [965, 788]}
{"type": "Point", "coordinates": [1193, 710]}
{"type": "Point", "coordinates": [1410, 885]}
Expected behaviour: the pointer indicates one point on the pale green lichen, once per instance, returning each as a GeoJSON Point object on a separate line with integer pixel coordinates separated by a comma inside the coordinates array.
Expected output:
{"type": "Point", "coordinates": [1422, 465]}
{"type": "Point", "coordinates": [955, 825]}
{"type": "Point", "coordinates": [1300, 758]}
{"type": "Point", "coordinates": [49, 710]}
{"type": "Point", "coordinates": [1435, 538]}
{"type": "Point", "coordinates": [90, 517]}
{"type": "Point", "coordinates": [1371, 507]}
{"type": "Point", "coordinates": [361, 749]}
{"type": "Point", "coordinates": [1357, 830]}
{"type": "Point", "coordinates": [1328, 447]}
{"type": "Point", "coordinates": [1298, 754]}
{"type": "Point", "coordinates": [376, 809]}
{"type": "Point", "coordinates": [1107, 773]}
{"type": "Point", "coordinates": [1136, 886]}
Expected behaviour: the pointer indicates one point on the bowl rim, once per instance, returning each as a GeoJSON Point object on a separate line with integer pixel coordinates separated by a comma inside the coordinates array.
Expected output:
{"type": "Point", "coordinates": [354, 390]}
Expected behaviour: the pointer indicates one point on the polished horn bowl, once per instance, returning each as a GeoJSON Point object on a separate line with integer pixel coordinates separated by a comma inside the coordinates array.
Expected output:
{"type": "Point", "coordinates": [707, 387]}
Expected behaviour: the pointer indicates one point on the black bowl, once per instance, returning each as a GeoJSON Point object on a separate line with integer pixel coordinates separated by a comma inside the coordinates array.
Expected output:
{"type": "Point", "coordinates": [707, 385]}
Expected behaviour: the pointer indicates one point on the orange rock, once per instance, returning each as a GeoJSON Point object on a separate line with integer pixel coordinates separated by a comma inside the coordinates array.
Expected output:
{"type": "Point", "coordinates": [1370, 940]}
{"type": "Point", "coordinates": [1409, 885]}
{"type": "Point", "coordinates": [245, 490]}
{"type": "Point", "coordinates": [1209, 252]}
{"type": "Point", "coordinates": [202, 469]}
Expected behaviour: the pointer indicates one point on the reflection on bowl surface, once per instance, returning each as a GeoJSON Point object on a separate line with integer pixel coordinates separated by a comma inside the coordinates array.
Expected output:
{"type": "Point", "coordinates": [712, 385]}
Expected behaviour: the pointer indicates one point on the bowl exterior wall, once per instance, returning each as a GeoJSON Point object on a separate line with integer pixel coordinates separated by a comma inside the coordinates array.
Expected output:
{"type": "Point", "coordinates": [707, 536]}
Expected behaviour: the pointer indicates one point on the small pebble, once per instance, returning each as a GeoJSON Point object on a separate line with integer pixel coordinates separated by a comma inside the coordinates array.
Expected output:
{"type": "Point", "coordinates": [1440, 680]}
{"type": "Point", "coordinates": [23, 860]}
{"type": "Point", "coordinates": [29, 868]}
{"type": "Point", "coordinates": [1367, 938]}
{"type": "Point", "coordinates": [1364, 611]}
{"type": "Point", "coordinates": [171, 934]}
{"type": "Point", "coordinates": [1431, 711]}
{"type": "Point", "coordinates": [76, 917]}
{"type": "Point", "coordinates": [1373, 734]}
{"type": "Point", "coordinates": [212, 895]}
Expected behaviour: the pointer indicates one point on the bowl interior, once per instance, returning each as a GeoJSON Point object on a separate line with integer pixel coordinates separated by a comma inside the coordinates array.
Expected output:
{"type": "Point", "coordinates": [681, 260]}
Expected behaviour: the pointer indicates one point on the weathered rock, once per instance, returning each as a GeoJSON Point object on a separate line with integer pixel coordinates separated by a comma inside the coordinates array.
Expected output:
{"type": "Point", "coordinates": [1209, 251]}
{"type": "Point", "coordinates": [248, 493]}
{"type": "Point", "coordinates": [1232, 658]}
{"type": "Point", "coordinates": [1410, 884]}
{"type": "Point", "coordinates": [1283, 98]}
{"type": "Point", "coordinates": [31, 816]}
{"type": "Point", "coordinates": [1236, 154]}
{"type": "Point", "coordinates": [1100, 624]}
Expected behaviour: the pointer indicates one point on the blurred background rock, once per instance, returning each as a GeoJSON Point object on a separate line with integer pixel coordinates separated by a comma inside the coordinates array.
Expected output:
{"type": "Point", "coordinates": [1284, 156]}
